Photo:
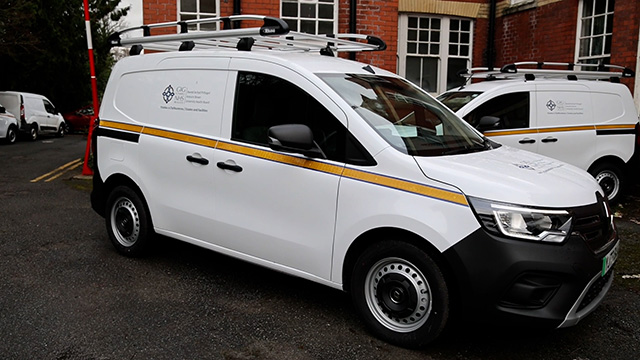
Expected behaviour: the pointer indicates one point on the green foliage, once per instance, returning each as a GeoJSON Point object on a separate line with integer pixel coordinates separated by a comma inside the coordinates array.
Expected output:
{"type": "Point", "coordinates": [44, 47]}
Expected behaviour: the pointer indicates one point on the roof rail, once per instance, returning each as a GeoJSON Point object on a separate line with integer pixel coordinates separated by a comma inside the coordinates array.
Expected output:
{"type": "Point", "coordinates": [532, 69]}
{"type": "Point", "coordinates": [274, 34]}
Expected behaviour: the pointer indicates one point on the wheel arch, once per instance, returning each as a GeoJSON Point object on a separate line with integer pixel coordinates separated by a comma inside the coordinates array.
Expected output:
{"type": "Point", "coordinates": [609, 159]}
{"type": "Point", "coordinates": [114, 181]}
{"type": "Point", "coordinates": [373, 236]}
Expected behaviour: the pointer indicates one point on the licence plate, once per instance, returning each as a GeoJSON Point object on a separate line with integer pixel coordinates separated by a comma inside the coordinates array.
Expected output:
{"type": "Point", "coordinates": [610, 259]}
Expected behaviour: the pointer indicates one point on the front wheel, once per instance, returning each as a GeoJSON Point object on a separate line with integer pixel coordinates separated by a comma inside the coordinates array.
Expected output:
{"type": "Point", "coordinates": [12, 135]}
{"type": "Point", "coordinates": [61, 130]}
{"type": "Point", "coordinates": [128, 223]}
{"type": "Point", "coordinates": [400, 293]}
{"type": "Point", "coordinates": [611, 180]}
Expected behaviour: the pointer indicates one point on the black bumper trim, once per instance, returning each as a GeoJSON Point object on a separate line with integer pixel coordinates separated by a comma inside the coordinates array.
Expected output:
{"type": "Point", "coordinates": [487, 268]}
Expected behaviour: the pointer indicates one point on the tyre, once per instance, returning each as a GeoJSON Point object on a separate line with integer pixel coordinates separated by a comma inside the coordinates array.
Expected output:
{"type": "Point", "coordinates": [400, 293]}
{"type": "Point", "coordinates": [12, 135]}
{"type": "Point", "coordinates": [611, 180]}
{"type": "Point", "coordinates": [128, 223]}
{"type": "Point", "coordinates": [61, 130]}
{"type": "Point", "coordinates": [33, 132]}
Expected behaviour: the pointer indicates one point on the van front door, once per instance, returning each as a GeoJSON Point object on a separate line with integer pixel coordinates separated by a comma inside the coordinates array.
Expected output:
{"type": "Point", "coordinates": [276, 206]}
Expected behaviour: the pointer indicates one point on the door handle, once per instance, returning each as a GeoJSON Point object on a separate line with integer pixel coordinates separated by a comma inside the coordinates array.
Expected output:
{"type": "Point", "coordinates": [549, 139]}
{"type": "Point", "coordinates": [527, 141]}
{"type": "Point", "coordinates": [197, 159]}
{"type": "Point", "coordinates": [232, 167]}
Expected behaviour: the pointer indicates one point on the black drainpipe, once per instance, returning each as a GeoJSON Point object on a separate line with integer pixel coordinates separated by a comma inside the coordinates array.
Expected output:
{"type": "Point", "coordinates": [352, 23]}
{"type": "Point", "coordinates": [237, 10]}
{"type": "Point", "coordinates": [491, 38]}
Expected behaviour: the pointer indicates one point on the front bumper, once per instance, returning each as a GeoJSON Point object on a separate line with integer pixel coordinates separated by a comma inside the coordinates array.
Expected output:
{"type": "Point", "coordinates": [530, 283]}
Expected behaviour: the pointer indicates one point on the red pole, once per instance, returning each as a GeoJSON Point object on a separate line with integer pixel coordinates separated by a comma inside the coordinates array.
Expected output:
{"type": "Point", "coordinates": [86, 170]}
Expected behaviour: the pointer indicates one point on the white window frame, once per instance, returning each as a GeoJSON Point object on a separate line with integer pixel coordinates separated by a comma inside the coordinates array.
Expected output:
{"type": "Point", "coordinates": [590, 34]}
{"type": "Point", "coordinates": [317, 19]}
{"type": "Point", "coordinates": [198, 14]}
{"type": "Point", "coordinates": [443, 54]}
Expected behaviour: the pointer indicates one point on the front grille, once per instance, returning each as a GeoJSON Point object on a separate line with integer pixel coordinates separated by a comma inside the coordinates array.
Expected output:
{"type": "Point", "coordinates": [594, 290]}
{"type": "Point", "coordinates": [593, 223]}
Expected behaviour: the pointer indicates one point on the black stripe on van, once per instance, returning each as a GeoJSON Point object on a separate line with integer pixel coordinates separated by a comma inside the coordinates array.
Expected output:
{"type": "Point", "coordinates": [117, 134]}
{"type": "Point", "coordinates": [616, 132]}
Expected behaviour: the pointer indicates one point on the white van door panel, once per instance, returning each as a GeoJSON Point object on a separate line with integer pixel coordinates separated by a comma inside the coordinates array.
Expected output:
{"type": "Point", "coordinates": [565, 123]}
{"type": "Point", "coordinates": [279, 207]}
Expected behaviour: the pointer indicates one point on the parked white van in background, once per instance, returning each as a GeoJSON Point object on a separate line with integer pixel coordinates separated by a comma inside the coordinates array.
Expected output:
{"type": "Point", "coordinates": [278, 153]}
{"type": "Point", "coordinates": [571, 115]}
{"type": "Point", "coordinates": [35, 113]}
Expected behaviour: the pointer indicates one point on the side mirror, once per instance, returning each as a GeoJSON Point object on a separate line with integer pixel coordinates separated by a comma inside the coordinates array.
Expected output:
{"type": "Point", "coordinates": [2, 110]}
{"type": "Point", "coordinates": [488, 123]}
{"type": "Point", "coordinates": [294, 138]}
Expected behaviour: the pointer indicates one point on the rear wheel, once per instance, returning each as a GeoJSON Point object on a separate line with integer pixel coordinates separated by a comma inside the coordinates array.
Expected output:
{"type": "Point", "coordinates": [128, 222]}
{"type": "Point", "coordinates": [611, 180]}
{"type": "Point", "coordinates": [400, 293]}
{"type": "Point", "coordinates": [33, 132]}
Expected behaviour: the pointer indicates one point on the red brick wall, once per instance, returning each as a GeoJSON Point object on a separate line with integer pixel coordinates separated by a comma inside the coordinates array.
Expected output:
{"type": "Point", "coordinates": [156, 11]}
{"type": "Point", "coordinates": [537, 34]}
{"type": "Point", "coordinates": [624, 47]}
{"type": "Point", "coordinates": [378, 18]}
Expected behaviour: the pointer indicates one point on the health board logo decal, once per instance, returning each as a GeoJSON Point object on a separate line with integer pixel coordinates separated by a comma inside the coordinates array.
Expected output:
{"type": "Point", "coordinates": [168, 94]}
{"type": "Point", "coordinates": [551, 105]}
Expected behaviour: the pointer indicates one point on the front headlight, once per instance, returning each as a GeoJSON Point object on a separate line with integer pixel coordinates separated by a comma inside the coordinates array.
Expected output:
{"type": "Point", "coordinates": [523, 222]}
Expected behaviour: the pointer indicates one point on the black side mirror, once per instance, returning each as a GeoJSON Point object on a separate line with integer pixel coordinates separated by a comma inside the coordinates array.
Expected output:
{"type": "Point", "coordinates": [2, 110]}
{"type": "Point", "coordinates": [488, 123]}
{"type": "Point", "coordinates": [295, 138]}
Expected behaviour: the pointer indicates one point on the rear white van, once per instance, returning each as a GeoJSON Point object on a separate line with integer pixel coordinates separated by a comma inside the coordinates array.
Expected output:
{"type": "Point", "coordinates": [347, 175]}
{"type": "Point", "coordinates": [563, 114]}
{"type": "Point", "coordinates": [35, 113]}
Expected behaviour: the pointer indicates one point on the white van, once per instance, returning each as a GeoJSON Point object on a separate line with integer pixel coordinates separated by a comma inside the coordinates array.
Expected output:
{"type": "Point", "coordinates": [564, 114]}
{"type": "Point", "coordinates": [347, 175]}
{"type": "Point", "coordinates": [36, 113]}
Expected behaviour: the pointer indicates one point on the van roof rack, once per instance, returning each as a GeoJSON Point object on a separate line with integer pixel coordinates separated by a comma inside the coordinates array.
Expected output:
{"type": "Point", "coordinates": [274, 34]}
{"type": "Point", "coordinates": [532, 69]}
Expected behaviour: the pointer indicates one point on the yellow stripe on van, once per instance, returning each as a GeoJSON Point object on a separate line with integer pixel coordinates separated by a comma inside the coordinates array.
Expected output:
{"type": "Point", "coordinates": [560, 129]}
{"type": "Point", "coordinates": [566, 128]}
{"type": "Point", "coordinates": [407, 186]}
{"type": "Point", "coordinates": [510, 132]}
{"type": "Point", "coordinates": [616, 127]}
{"type": "Point", "coordinates": [180, 137]}
{"type": "Point", "coordinates": [121, 126]}
{"type": "Point", "coordinates": [281, 158]}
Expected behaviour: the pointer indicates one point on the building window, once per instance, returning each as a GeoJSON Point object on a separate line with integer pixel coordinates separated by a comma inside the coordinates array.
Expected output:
{"type": "Point", "coordinates": [433, 49]}
{"type": "Point", "coordinates": [595, 29]}
{"type": "Point", "coordinates": [310, 16]}
{"type": "Point", "coordinates": [199, 9]}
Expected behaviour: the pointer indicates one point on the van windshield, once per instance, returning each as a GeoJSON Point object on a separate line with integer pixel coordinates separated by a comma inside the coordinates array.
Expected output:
{"type": "Point", "coordinates": [457, 100]}
{"type": "Point", "coordinates": [406, 117]}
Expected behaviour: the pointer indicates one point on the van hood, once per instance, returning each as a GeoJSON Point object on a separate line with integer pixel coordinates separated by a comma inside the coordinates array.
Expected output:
{"type": "Point", "coordinates": [514, 176]}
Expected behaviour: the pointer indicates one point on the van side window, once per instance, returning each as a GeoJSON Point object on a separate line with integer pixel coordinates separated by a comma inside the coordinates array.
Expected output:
{"type": "Point", "coordinates": [49, 107]}
{"type": "Point", "coordinates": [512, 109]}
{"type": "Point", "coordinates": [263, 101]}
